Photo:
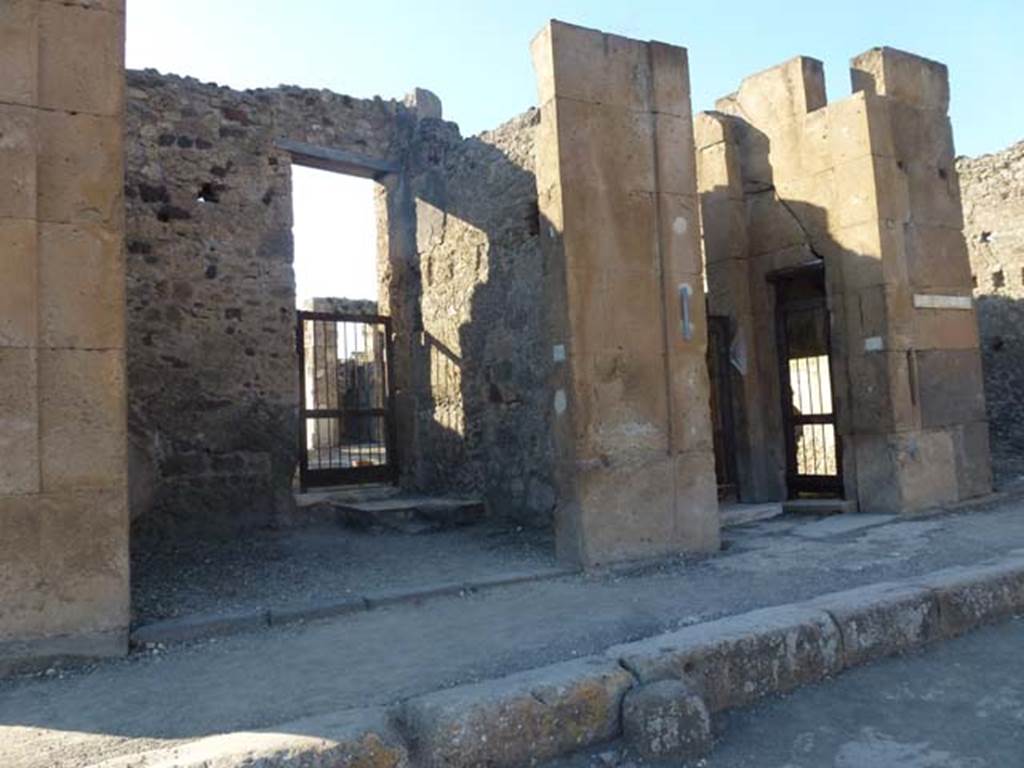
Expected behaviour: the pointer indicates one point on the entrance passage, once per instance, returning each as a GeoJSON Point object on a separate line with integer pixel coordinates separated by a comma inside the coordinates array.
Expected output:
{"type": "Point", "coordinates": [721, 407]}
{"type": "Point", "coordinates": [347, 429]}
{"type": "Point", "coordinates": [802, 322]}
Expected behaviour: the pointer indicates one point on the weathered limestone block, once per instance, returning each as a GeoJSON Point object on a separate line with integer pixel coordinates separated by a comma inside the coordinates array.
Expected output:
{"type": "Point", "coordinates": [19, 325]}
{"type": "Point", "coordinates": [903, 76]}
{"type": "Point", "coordinates": [905, 471]}
{"type": "Point", "coordinates": [881, 620]}
{"type": "Point", "coordinates": [80, 54]}
{"type": "Point", "coordinates": [19, 421]}
{"type": "Point", "coordinates": [18, 153]}
{"type": "Point", "coordinates": [666, 720]}
{"type": "Point", "coordinates": [64, 565]}
{"type": "Point", "coordinates": [951, 385]}
{"type": "Point", "coordinates": [19, 51]}
{"type": "Point", "coordinates": [82, 419]}
{"type": "Point", "coordinates": [971, 596]}
{"type": "Point", "coordinates": [81, 286]}
{"type": "Point", "coordinates": [518, 720]}
{"type": "Point", "coordinates": [354, 739]}
{"type": "Point", "coordinates": [973, 469]}
{"type": "Point", "coordinates": [80, 164]}
{"type": "Point", "coordinates": [936, 260]}
{"type": "Point", "coordinates": [736, 660]}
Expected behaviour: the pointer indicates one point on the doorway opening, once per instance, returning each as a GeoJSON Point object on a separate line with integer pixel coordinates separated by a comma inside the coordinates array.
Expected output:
{"type": "Point", "coordinates": [813, 460]}
{"type": "Point", "coordinates": [343, 338]}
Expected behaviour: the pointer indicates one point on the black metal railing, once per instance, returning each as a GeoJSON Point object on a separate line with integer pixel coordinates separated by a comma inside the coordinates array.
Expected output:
{"type": "Point", "coordinates": [346, 415]}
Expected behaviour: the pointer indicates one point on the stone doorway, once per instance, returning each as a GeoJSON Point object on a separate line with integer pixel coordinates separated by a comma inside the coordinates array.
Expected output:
{"type": "Point", "coordinates": [813, 461]}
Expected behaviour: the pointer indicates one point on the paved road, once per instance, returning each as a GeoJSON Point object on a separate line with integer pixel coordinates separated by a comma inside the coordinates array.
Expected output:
{"type": "Point", "coordinates": [957, 705]}
{"type": "Point", "coordinates": [379, 656]}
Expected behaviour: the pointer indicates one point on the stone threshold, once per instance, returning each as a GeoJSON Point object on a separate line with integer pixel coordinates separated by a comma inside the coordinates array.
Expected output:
{"type": "Point", "coordinates": [557, 710]}
{"type": "Point", "coordinates": [220, 624]}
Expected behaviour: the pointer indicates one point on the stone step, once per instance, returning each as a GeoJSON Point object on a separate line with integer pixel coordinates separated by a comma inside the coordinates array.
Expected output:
{"type": "Point", "coordinates": [393, 512]}
{"type": "Point", "coordinates": [819, 506]}
{"type": "Point", "coordinates": [733, 513]}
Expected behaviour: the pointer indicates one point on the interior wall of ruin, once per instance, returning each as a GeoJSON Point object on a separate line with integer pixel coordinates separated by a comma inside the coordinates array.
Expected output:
{"type": "Point", "coordinates": [992, 187]}
{"type": "Point", "coordinates": [63, 510]}
{"type": "Point", "coordinates": [866, 185]}
{"type": "Point", "coordinates": [621, 230]}
{"type": "Point", "coordinates": [480, 417]}
{"type": "Point", "coordinates": [212, 369]}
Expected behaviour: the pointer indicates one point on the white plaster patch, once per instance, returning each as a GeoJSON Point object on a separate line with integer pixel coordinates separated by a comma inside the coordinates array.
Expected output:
{"type": "Point", "coordinates": [558, 353]}
{"type": "Point", "coordinates": [940, 301]}
{"type": "Point", "coordinates": [679, 226]}
{"type": "Point", "coordinates": [560, 402]}
{"type": "Point", "coordinates": [874, 344]}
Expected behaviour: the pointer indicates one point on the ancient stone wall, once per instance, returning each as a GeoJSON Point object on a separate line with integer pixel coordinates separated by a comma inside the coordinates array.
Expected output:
{"type": "Point", "coordinates": [213, 382]}
{"type": "Point", "coordinates": [865, 188]}
{"type": "Point", "coordinates": [482, 425]}
{"type": "Point", "coordinates": [63, 510]}
{"type": "Point", "coordinates": [992, 187]}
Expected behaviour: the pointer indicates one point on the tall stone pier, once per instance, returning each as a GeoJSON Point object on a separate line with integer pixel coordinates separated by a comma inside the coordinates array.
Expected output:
{"type": "Point", "coordinates": [63, 510]}
{"type": "Point", "coordinates": [620, 229]}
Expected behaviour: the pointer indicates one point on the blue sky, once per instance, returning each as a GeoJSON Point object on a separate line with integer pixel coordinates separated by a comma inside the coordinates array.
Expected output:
{"type": "Point", "coordinates": [475, 55]}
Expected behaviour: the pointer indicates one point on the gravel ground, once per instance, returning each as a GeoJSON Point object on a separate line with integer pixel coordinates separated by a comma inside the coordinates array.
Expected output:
{"type": "Point", "coordinates": [274, 568]}
{"type": "Point", "coordinates": [380, 656]}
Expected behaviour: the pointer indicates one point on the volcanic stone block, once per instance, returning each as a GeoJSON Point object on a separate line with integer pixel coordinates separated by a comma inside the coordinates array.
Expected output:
{"type": "Point", "coordinates": [666, 720]}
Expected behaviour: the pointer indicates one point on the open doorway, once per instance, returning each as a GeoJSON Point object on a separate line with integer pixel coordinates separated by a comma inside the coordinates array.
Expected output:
{"type": "Point", "coordinates": [813, 463]}
{"type": "Point", "coordinates": [343, 338]}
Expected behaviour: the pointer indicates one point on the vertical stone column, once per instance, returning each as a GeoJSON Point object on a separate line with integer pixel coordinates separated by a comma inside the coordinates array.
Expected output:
{"type": "Point", "coordinates": [619, 223]}
{"type": "Point", "coordinates": [930, 444]}
{"type": "Point", "coordinates": [727, 258]}
{"type": "Point", "coordinates": [63, 510]}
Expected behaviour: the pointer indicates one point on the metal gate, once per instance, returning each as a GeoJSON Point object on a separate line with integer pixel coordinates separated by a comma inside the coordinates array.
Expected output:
{"type": "Point", "coordinates": [347, 428]}
{"type": "Point", "coordinates": [813, 459]}
{"type": "Point", "coordinates": [723, 434]}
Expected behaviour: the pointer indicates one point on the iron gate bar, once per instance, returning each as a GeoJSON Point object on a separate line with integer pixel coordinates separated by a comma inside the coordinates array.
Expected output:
{"type": "Point", "coordinates": [812, 275]}
{"type": "Point", "coordinates": [362, 437]}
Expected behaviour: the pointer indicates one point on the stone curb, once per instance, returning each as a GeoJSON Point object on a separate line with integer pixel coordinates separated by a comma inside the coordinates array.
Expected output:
{"type": "Point", "coordinates": [351, 738]}
{"type": "Point", "coordinates": [559, 709]}
{"type": "Point", "coordinates": [202, 626]}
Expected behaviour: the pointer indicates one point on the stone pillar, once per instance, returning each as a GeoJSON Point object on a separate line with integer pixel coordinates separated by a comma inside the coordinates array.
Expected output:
{"type": "Point", "coordinates": [728, 269]}
{"type": "Point", "coordinates": [931, 444]}
{"type": "Point", "coordinates": [619, 224]}
{"type": "Point", "coordinates": [867, 186]}
{"type": "Point", "coordinates": [63, 510]}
